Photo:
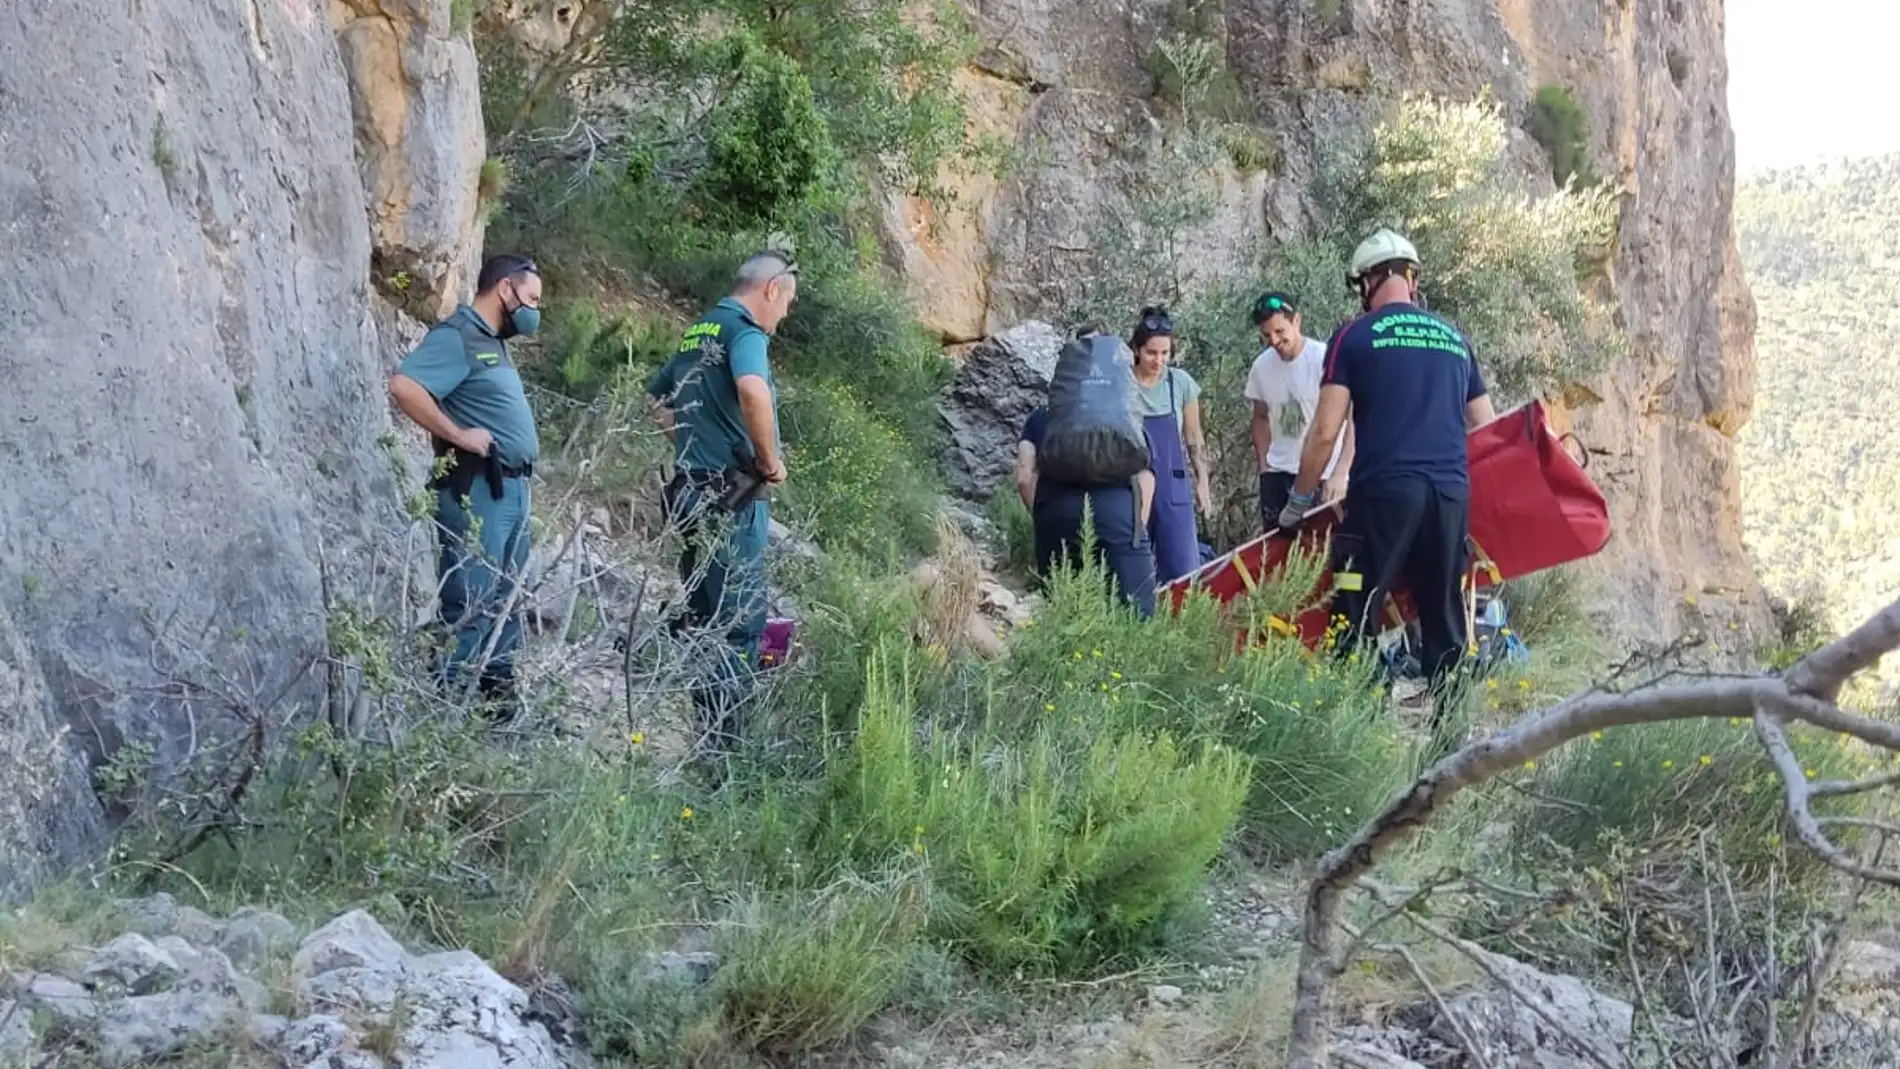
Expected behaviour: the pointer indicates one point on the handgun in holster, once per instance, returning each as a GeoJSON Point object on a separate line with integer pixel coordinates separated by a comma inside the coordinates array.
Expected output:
{"type": "Point", "coordinates": [459, 477]}
{"type": "Point", "coordinates": [744, 482]}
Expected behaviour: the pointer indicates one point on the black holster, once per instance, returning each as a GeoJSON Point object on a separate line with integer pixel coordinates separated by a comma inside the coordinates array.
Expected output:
{"type": "Point", "coordinates": [730, 490]}
{"type": "Point", "coordinates": [463, 467]}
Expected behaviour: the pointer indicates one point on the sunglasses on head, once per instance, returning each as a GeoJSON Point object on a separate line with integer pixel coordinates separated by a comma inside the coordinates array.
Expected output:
{"type": "Point", "coordinates": [1268, 307]}
{"type": "Point", "coordinates": [1157, 323]}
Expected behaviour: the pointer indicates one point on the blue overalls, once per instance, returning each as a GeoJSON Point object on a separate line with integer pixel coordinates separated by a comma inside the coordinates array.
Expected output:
{"type": "Point", "coordinates": [1171, 526]}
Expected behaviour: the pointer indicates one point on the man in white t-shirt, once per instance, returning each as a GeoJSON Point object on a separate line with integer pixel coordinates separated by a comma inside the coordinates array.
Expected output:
{"type": "Point", "coordinates": [1284, 389]}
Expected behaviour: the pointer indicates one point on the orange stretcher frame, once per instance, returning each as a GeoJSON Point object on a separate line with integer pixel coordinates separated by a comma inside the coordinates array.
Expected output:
{"type": "Point", "coordinates": [1533, 506]}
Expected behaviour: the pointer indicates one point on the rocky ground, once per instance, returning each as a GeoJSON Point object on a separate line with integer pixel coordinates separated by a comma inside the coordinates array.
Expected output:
{"type": "Point", "coordinates": [167, 983]}
{"type": "Point", "coordinates": [178, 982]}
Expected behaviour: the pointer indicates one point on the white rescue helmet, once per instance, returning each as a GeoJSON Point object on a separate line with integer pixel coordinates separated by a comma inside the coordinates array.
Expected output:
{"type": "Point", "coordinates": [1384, 246]}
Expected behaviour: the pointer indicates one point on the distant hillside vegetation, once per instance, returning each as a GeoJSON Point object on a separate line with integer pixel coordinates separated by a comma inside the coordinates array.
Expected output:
{"type": "Point", "coordinates": [1821, 458]}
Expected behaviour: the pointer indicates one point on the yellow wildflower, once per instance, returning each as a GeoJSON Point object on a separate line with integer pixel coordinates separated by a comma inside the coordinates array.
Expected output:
{"type": "Point", "coordinates": [1049, 707]}
{"type": "Point", "coordinates": [1707, 759]}
{"type": "Point", "coordinates": [638, 738]}
{"type": "Point", "coordinates": [1114, 675]}
{"type": "Point", "coordinates": [1668, 764]}
{"type": "Point", "coordinates": [1530, 766]}
{"type": "Point", "coordinates": [686, 812]}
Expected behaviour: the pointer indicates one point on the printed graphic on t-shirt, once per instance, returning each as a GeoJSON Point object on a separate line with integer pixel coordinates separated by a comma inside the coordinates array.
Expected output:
{"type": "Point", "coordinates": [1291, 422]}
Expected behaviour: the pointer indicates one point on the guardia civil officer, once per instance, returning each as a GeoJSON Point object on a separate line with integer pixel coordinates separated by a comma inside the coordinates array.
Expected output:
{"type": "Point", "coordinates": [461, 385]}
{"type": "Point", "coordinates": [717, 400]}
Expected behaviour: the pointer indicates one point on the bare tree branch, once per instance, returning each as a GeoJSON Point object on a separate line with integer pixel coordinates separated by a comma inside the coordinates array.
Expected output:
{"type": "Point", "coordinates": [1804, 694]}
{"type": "Point", "coordinates": [1823, 672]}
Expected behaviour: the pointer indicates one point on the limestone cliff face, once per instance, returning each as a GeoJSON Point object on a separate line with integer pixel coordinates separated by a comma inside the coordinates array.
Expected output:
{"type": "Point", "coordinates": [193, 195]}
{"type": "Point", "coordinates": [1651, 75]}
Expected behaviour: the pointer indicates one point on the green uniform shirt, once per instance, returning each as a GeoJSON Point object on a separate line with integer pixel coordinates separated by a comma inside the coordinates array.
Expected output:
{"type": "Point", "coordinates": [700, 384]}
{"type": "Point", "coordinates": [465, 366]}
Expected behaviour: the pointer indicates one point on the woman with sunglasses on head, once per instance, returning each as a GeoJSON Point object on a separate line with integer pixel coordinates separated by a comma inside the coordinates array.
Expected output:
{"type": "Point", "coordinates": [1170, 403]}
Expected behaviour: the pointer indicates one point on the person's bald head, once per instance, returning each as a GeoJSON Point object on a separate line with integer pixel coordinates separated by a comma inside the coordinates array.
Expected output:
{"type": "Point", "coordinates": [767, 284]}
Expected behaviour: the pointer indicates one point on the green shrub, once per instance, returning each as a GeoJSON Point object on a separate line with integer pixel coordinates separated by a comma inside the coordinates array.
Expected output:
{"type": "Point", "coordinates": [587, 351]}
{"type": "Point", "coordinates": [1558, 123]}
{"type": "Point", "coordinates": [767, 146]}
{"type": "Point", "coordinates": [1501, 264]}
{"type": "Point", "coordinates": [799, 974]}
{"type": "Point", "coordinates": [1325, 752]}
{"type": "Point", "coordinates": [1059, 848]}
{"type": "Point", "coordinates": [852, 326]}
{"type": "Point", "coordinates": [635, 1011]}
{"type": "Point", "coordinates": [854, 483]}
{"type": "Point", "coordinates": [1013, 531]}
{"type": "Point", "coordinates": [1635, 786]}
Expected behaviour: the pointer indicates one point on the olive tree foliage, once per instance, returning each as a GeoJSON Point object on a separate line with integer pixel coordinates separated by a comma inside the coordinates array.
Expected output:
{"type": "Point", "coordinates": [1518, 271]}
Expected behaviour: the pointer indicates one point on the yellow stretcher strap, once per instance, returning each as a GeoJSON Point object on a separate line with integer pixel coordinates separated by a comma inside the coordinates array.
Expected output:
{"type": "Point", "coordinates": [1481, 559]}
{"type": "Point", "coordinates": [1350, 582]}
{"type": "Point", "coordinates": [1246, 577]}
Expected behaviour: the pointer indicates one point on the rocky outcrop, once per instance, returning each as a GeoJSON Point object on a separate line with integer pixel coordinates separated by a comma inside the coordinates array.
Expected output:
{"type": "Point", "coordinates": [182, 979]}
{"type": "Point", "coordinates": [196, 356]}
{"type": "Point", "coordinates": [415, 99]}
{"type": "Point", "coordinates": [1521, 1016]}
{"type": "Point", "coordinates": [1651, 77]}
{"type": "Point", "coordinates": [945, 255]}
{"type": "Point", "coordinates": [1661, 425]}
{"type": "Point", "coordinates": [1000, 383]}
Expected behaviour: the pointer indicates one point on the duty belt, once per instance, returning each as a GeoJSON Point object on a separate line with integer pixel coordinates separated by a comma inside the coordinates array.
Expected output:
{"type": "Point", "coordinates": [460, 476]}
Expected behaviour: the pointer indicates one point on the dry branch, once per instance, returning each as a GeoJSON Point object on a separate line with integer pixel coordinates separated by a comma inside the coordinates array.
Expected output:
{"type": "Point", "coordinates": [1806, 693]}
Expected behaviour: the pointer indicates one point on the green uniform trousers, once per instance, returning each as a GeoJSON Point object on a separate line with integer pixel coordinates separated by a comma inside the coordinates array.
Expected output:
{"type": "Point", "coordinates": [483, 543]}
{"type": "Point", "coordinates": [723, 569]}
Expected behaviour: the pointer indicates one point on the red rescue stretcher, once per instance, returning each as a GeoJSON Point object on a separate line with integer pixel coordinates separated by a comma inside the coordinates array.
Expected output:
{"type": "Point", "coordinates": [1532, 507]}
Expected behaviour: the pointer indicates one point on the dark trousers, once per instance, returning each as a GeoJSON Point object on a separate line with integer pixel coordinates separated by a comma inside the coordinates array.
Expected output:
{"type": "Point", "coordinates": [722, 566]}
{"type": "Point", "coordinates": [1275, 488]}
{"type": "Point", "coordinates": [1121, 545]}
{"type": "Point", "coordinates": [1411, 529]}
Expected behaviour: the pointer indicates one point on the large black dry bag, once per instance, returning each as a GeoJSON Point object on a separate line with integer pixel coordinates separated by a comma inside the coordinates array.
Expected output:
{"type": "Point", "coordinates": [1094, 433]}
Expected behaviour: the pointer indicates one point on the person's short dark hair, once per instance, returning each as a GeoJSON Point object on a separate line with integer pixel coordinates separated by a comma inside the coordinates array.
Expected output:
{"type": "Point", "coordinates": [1087, 330]}
{"type": "Point", "coordinates": [504, 266]}
{"type": "Point", "coordinates": [1274, 303]}
{"type": "Point", "coordinates": [1155, 322]}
